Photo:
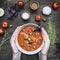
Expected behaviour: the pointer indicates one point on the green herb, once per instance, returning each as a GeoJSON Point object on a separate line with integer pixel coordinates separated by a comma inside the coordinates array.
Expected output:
{"type": "Point", "coordinates": [51, 30]}
{"type": "Point", "coordinates": [4, 39]}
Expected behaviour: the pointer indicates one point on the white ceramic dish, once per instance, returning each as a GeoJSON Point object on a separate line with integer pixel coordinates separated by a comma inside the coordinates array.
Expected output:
{"type": "Point", "coordinates": [25, 15]}
{"type": "Point", "coordinates": [1, 12]}
{"type": "Point", "coordinates": [46, 10]}
{"type": "Point", "coordinates": [22, 50]}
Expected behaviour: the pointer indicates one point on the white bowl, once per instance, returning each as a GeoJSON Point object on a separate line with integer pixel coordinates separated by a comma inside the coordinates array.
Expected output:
{"type": "Point", "coordinates": [21, 49]}
{"type": "Point", "coordinates": [1, 12]}
{"type": "Point", "coordinates": [46, 10]}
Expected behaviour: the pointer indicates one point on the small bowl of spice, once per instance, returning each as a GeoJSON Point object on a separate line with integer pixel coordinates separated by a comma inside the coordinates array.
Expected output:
{"type": "Point", "coordinates": [34, 5]}
{"type": "Point", "coordinates": [25, 15]}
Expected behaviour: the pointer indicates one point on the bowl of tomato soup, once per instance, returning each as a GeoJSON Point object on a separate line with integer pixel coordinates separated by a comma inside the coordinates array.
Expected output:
{"type": "Point", "coordinates": [29, 41]}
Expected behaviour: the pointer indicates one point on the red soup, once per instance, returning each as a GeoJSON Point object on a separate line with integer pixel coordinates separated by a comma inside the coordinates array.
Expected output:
{"type": "Point", "coordinates": [28, 39]}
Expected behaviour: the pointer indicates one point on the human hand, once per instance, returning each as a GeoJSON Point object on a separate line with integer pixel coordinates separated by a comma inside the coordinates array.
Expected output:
{"type": "Point", "coordinates": [45, 48]}
{"type": "Point", "coordinates": [16, 53]}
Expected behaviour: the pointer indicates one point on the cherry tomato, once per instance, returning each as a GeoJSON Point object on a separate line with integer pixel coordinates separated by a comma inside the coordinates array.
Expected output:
{"type": "Point", "coordinates": [38, 18]}
{"type": "Point", "coordinates": [5, 24]}
{"type": "Point", "coordinates": [20, 4]}
{"type": "Point", "coordinates": [55, 5]}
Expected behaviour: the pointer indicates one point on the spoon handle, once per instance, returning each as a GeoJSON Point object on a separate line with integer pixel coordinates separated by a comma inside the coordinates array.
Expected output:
{"type": "Point", "coordinates": [39, 25]}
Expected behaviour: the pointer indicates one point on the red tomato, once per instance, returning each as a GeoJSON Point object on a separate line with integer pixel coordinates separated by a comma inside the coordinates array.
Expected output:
{"type": "Point", "coordinates": [55, 5]}
{"type": "Point", "coordinates": [1, 31]}
{"type": "Point", "coordinates": [38, 18]}
{"type": "Point", "coordinates": [5, 24]}
{"type": "Point", "coordinates": [20, 4]}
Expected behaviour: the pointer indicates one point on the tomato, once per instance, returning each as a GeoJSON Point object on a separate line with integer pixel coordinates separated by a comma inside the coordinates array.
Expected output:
{"type": "Point", "coordinates": [20, 4]}
{"type": "Point", "coordinates": [38, 18]}
{"type": "Point", "coordinates": [55, 5]}
{"type": "Point", "coordinates": [5, 24]}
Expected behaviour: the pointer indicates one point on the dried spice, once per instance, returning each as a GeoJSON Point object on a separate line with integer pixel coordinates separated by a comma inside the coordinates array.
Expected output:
{"type": "Point", "coordinates": [38, 18]}
{"type": "Point", "coordinates": [34, 5]}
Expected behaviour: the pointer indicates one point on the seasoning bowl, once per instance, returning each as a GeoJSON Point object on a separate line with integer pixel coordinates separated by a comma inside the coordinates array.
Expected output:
{"type": "Point", "coordinates": [25, 15]}
{"type": "Point", "coordinates": [34, 5]}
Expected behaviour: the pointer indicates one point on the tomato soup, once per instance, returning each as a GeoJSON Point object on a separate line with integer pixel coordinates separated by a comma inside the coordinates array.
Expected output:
{"type": "Point", "coordinates": [28, 39]}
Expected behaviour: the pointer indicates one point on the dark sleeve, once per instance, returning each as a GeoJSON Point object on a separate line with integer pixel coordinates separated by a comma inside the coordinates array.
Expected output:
{"type": "Point", "coordinates": [29, 57]}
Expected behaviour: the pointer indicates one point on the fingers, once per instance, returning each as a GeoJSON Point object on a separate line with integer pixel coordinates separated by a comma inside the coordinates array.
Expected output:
{"type": "Point", "coordinates": [17, 56]}
{"type": "Point", "coordinates": [46, 42]}
{"type": "Point", "coordinates": [44, 57]}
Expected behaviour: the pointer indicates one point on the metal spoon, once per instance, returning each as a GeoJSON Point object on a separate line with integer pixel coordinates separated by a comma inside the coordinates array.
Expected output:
{"type": "Point", "coordinates": [38, 28]}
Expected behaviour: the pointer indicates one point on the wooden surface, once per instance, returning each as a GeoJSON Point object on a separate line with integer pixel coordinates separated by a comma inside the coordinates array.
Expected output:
{"type": "Point", "coordinates": [6, 52]}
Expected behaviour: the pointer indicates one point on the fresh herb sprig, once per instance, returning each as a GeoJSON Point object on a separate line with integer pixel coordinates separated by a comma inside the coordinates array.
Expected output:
{"type": "Point", "coordinates": [4, 39]}
{"type": "Point", "coordinates": [51, 30]}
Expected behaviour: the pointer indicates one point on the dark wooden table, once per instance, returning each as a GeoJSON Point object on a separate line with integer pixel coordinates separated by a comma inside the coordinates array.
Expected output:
{"type": "Point", "coordinates": [6, 51]}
